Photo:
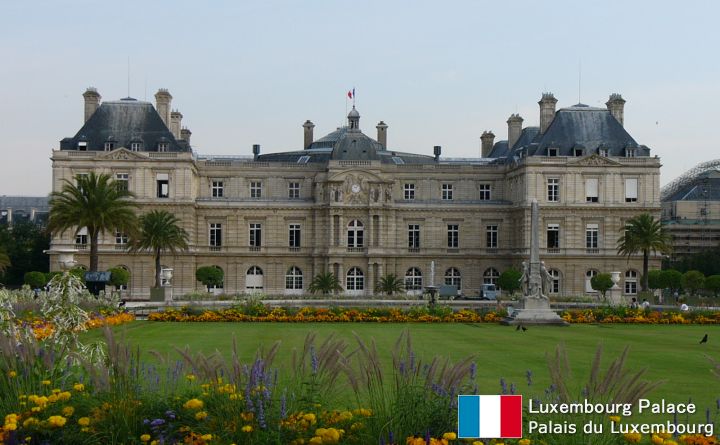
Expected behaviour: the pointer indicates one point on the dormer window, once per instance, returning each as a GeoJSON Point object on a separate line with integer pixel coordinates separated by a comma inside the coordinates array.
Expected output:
{"type": "Point", "coordinates": [552, 151]}
{"type": "Point", "coordinates": [577, 152]}
{"type": "Point", "coordinates": [136, 146]}
{"type": "Point", "coordinates": [630, 152]}
{"type": "Point", "coordinates": [109, 146]}
{"type": "Point", "coordinates": [82, 146]}
{"type": "Point", "coordinates": [163, 146]}
{"type": "Point", "coordinates": [603, 152]}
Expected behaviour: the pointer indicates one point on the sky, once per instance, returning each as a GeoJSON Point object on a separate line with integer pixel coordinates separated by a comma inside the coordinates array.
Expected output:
{"type": "Point", "coordinates": [437, 72]}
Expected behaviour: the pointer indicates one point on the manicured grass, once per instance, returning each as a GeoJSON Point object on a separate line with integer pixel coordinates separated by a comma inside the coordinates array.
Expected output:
{"type": "Point", "coordinates": [669, 352]}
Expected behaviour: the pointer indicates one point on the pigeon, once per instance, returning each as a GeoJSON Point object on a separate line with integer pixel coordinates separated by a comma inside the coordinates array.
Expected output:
{"type": "Point", "coordinates": [704, 339]}
{"type": "Point", "coordinates": [524, 328]}
{"type": "Point", "coordinates": [122, 303]}
{"type": "Point", "coordinates": [517, 328]}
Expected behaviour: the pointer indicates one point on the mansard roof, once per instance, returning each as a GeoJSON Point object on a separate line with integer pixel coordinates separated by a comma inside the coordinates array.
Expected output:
{"type": "Point", "coordinates": [123, 122]}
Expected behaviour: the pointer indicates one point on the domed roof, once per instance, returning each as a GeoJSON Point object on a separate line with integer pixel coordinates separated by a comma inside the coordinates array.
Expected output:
{"type": "Point", "coordinates": [354, 112]}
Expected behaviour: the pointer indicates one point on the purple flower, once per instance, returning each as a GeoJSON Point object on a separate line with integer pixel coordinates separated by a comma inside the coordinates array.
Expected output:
{"type": "Point", "coordinates": [473, 370]}
{"type": "Point", "coordinates": [529, 376]}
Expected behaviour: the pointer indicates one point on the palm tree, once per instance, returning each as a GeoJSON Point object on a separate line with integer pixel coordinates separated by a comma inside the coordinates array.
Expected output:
{"type": "Point", "coordinates": [325, 283]}
{"type": "Point", "coordinates": [390, 284]}
{"type": "Point", "coordinates": [4, 261]}
{"type": "Point", "coordinates": [159, 231]}
{"type": "Point", "coordinates": [95, 202]}
{"type": "Point", "coordinates": [645, 234]}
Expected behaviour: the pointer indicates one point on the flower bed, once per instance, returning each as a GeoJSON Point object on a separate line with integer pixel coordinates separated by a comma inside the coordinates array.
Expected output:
{"type": "Point", "coordinates": [639, 316]}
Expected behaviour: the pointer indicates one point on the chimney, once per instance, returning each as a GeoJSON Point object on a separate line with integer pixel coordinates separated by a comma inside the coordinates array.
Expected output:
{"type": "Point", "coordinates": [185, 134]}
{"type": "Point", "coordinates": [92, 101]}
{"type": "Point", "coordinates": [437, 150]}
{"type": "Point", "coordinates": [308, 139]}
{"type": "Point", "coordinates": [176, 123]}
{"type": "Point", "coordinates": [163, 98]}
{"type": "Point", "coordinates": [547, 111]}
{"type": "Point", "coordinates": [256, 151]}
{"type": "Point", "coordinates": [487, 140]}
{"type": "Point", "coordinates": [382, 133]}
{"type": "Point", "coordinates": [616, 105]}
{"type": "Point", "coordinates": [514, 129]}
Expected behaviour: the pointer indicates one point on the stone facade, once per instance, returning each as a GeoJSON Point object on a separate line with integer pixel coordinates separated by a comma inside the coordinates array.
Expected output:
{"type": "Point", "coordinates": [272, 222]}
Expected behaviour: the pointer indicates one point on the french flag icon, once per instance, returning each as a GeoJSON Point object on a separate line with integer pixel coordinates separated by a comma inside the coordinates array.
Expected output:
{"type": "Point", "coordinates": [489, 416]}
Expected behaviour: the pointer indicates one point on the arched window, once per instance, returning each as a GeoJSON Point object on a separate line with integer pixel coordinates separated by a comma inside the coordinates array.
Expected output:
{"type": "Point", "coordinates": [588, 278]}
{"type": "Point", "coordinates": [555, 283]}
{"type": "Point", "coordinates": [413, 279]}
{"type": "Point", "coordinates": [355, 234]}
{"type": "Point", "coordinates": [452, 278]}
{"type": "Point", "coordinates": [355, 279]}
{"type": "Point", "coordinates": [294, 279]}
{"type": "Point", "coordinates": [254, 278]}
{"type": "Point", "coordinates": [631, 282]}
{"type": "Point", "coordinates": [491, 276]}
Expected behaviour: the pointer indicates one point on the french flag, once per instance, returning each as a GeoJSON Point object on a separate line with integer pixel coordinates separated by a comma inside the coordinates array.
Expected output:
{"type": "Point", "coordinates": [489, 417]}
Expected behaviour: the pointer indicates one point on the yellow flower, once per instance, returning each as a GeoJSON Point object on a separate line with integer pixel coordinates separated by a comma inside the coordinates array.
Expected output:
{"type": "Point", "coordinates": [193, 404]}
{"type": "Point", "coordinates": [12, 374]}
{"type": "Point", "coordinates": [615, 419]}
{"type": "Point", "coordinates": [10, 426]}
{"type": "Point", "coordinates": [316, 441]}
{"type": "Point", "coordinates": [84, 421]}
{"type": "Point", "coordinates": [206, 437]}
{"type": "Point", "coordinates": [524, 442]}
{"type": "Point", "coordinates": [145, 438]}
{"type": "Point", "coordinates": [449, 436]}
{"type": "Point", "coordinates": [200, 415]}
{"type": "Point", "coordinates": [57, 421]}
{"type": "Point", "coordinates": [68, 411]}
{"type": "Point", "coordinates": [64, 396]}
{"type": "Point", "coordinates": [29, 422]}
{"type": "Point", "coordinates": [247, 429]}
{"type": "Point", "coordinates": [310, 417]}
{"type": "Point", "coordinates": [46, 382]}
{"type": "Point", "coordinates": [190, 377]}
{"type": "Point", "coordinates": [154, 442]}
{"type": "Point", "coordinates": [657, 440]}
{"type": "Point", "coordinates": [79, 387]}
{"type": "Point", "coordinates": [632, 437]}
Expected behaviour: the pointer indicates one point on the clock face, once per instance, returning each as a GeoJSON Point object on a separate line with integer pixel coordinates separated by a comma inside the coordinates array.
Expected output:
{"type": "Point", "coordinates": [355, 188]}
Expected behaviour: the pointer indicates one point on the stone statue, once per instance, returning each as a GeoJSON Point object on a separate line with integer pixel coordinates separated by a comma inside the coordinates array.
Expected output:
{"type": "Point", "coordinates": [525, 278]}
{"type": "Point", "coordinates": [547, 280]}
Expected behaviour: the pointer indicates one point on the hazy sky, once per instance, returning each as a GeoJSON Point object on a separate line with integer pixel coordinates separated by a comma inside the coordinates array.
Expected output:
{"type": "Point", "coordinates": [437, 72]}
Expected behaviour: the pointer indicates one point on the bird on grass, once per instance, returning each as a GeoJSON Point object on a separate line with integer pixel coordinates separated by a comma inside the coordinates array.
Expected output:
{"type": "Point", "coordinates": [521, 327]}
{"type": "Point", "coordinates": [704, 339]}
{"type": "Point", "coordinates": [524, 328]}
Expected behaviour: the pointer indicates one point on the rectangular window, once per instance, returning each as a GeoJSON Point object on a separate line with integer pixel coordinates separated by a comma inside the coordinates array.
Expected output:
{"type": "Point", "coordinates": [603, 152]}
{"type": "Point", "coordinates": [81, 238]}
{"type": "Point", "coordinates": [491, 236]}
{"type": "Point", "coordinates": [552, 151]}
{"type": "Point", "coordinates": [109, 146]}
{"type": "Point", "coordinates": [409, 192]}
{"type": "Point", "coordinates": [413, 236]}
{"type": "Point", "coordinates": [591, 190]}
{"type": "Point", "coordinates": [485, 192]}
{"type": "Point", "coordinates": [217, 188]}
{"type": "Point", "coordinates": [553, 189]}
{"type": "Point", "coordinates": [255, 235]}
{"type": "Point", "coordinates": [121, 239]}
{"type": "Point", "coordinates": [591, 236]}
{"type": "Point", "coordinates": [256, 189]}
{"type": "Point", "coordinates": [447, 192]}
{"type": "Point", "coordinates": [163, 146]}
{"type": "Point", "coordinates": [294, 190]}
{"type": "Point", "coordinates": [630, 152]}
{"type": "Point", "coordinates": [453, 236]}
{"type": "Point", "coordinates": [215, 235]}
{"type": "Point", "coordinates": [135, 146]}
{"type": "Point", "coordinates": [122, 181]}
{"type": "Point", "coordinates": [553, 236]}
{"type": "Point", "coordinates": [163, 185]}
{"type": "Point", "coordinates": [294, 235]}
{"type": "Point", "coordinates": [631, 190]}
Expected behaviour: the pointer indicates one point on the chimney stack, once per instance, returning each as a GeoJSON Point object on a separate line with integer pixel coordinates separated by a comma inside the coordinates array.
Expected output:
{"type": "Point", "coordinates": [514, 129]}
{"type": "Point", "coordinates": [92, 101]}
{"type": "Point", "coordinates": [163, 98]}
{"type": "Point", "coordinates": [185, 134]}
{"type": "Point", "coordinates": [382, 133]}
{"type": "Point", "coordinates": [547, 111]}
{"type": "Point", "coordinates": [256, 151]}
{"type": "Point", "coordinates": [176, 123]}
{"type": "Point", "coordinates": [616, 105]}
{"type": "Point", "coordinates": [308, 139]}
{"type": "Point", "coordinates": [487, 140]}
{"type": "Point", "coordinates": [437, 150]}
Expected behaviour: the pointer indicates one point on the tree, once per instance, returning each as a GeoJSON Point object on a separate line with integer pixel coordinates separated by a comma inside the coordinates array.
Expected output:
{"type": "Point", "coordinates": [645, 234]}
{"type": "Point", "coordinates": [390, 284]}
{"type": "Point", "coordinates": [97, 203]}
{"type": "Point", "coordinates": [509, 280]}
{"type": "Point", "coordinates": [656, 279]}
{"type": "Point", "coordinates": [692, 281]}
{"type": "Point", "coordinates": [210, 276]}
{"type": "Point", "coordinates": [672, 279]}
{"type": "Point", "coordinates": [325, 283]}
{"type": "Point", "coordinates": [602, 282]}
{"type": "Point", "coordinates": [35, 279]}
{"type": "Point", "coordinates": [712, 283]}
{"type": "Point", "coordinates": [4, 262]}
{"type": "Point", "coordinates": [159, 232]}
{"type": "Point", "coordinates": [119, 277]}
{"type": "Point", "coordinates": [23, 242]}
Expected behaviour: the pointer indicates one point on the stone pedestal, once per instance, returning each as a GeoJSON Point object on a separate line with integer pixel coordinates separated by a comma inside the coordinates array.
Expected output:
{"type": "Point", "coordinates": [535, 311]}
{"type": "Point", "coordinates": [614, 295]}
{"type": "Point", "coordinates": [160, 294]}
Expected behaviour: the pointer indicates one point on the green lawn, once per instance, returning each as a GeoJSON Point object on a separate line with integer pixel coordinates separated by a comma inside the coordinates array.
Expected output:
{"type": "Point", "coordinates": [670, 353]}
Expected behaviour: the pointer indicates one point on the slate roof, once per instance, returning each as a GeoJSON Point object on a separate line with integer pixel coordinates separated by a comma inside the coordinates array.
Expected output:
{"type": "Point", "coordinates": [40, 203]}
{"type": "Point", "coordinates": [122, 122]}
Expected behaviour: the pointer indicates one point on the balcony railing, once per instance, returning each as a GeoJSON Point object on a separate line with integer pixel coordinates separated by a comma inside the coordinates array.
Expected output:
{"type": "Point", "coordinates": [215, 248]}
{"type": "Point", "coordinates": [293, 249]}
{"type": "Point", "coordinates": [356, 249]}
{"type": "Point", "coordinates": [81, 247]}
{"type": "Point", "coordinates": [553, 250]}
{"type": "Point", "coordinates": [255, 248]}
{"type": "Point", "coordinates": [593, 251]}
{"type": "Point", "coordinates": [413, 250]}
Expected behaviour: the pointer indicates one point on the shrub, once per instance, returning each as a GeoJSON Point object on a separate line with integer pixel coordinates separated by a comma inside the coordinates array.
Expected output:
{"type": "Point", "coordinates": [119, 277]}
{"type": "Point", "coordinates": [692, 281]}
{"type": "Point", "coordinates": [35, 279]}
{"type": "Point", "coordinates": [712, 283]}
{"type": "Point", "coordinates": [210, 276]}
{"type": "Point", "coordinates": [509, 280]}
{"type": "Point", "coordinates": [602, 282]}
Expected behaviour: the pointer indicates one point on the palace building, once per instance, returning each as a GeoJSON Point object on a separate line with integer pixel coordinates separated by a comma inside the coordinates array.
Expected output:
{"type": "Point", "coordinates": [351, 204]}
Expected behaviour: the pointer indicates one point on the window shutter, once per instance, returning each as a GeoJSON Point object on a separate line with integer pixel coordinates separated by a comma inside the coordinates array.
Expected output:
{"type": "Point", "coordinates": [631, 188]}
{"type": "Point", "coordinates": [591, 188]}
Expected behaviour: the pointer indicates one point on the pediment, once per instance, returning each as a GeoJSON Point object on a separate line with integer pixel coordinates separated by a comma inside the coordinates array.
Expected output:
{"type": "Point", "coordinates": [121, 153]}
{"type": "Point", "coordinates": [595, 160]}
{"type": "Point", "coordinates": [362, 175]}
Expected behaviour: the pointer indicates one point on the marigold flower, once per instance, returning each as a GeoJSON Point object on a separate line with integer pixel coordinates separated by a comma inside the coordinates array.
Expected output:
{"type": "Point", "coordinates": [449, 436]}
{"type": "Point", "coordinates": [145, 438]}
{"type": "Point", "coordinates": [247, 429]}
{"type": "Point", "coordinates": [200, 415]}
{"type": "Point", "coordinates": [194, 404]}
{"type": "Point", "coordinates": [84, 421]}
{"type": "Point", "coordinates": [632, 437]}
{"type": "Point", "coordinates": [68, 411]}
{"type": "Point", "coordinates": [57, 421]}
{"type": "Point", "coordinates": [79, 387]}
{"type": "Point", "coordinates": [190, 377]}
{"type": "Point", "coordinates": [615, 419]}
{"type": "Point", "coordinates": [206, 437]}
{"type": "Point", "coordinates": [12, 374]}
{"type": "Point", "coordinates": [524, 442]}
{"type": "Point", "coordinates": [30, 422]}
{"type": "Point", "coordinates": [46, 382]}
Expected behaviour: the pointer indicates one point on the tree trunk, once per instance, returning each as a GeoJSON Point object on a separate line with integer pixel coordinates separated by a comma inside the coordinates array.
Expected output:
{"type": "Point", "coordinates": [157, 268]}
{"type": "Point", "coordinates": [93, 252]}
{"type": "Point", "coordinates": [646, 266]}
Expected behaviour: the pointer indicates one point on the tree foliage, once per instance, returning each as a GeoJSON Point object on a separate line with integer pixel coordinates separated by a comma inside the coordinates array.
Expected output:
{"type": "Point", "coordinates": [643, 234]}
{"type": "Point", "coordinates": [509, 281]}
{"type": "Point", "coordinates": [95, 202]}
{"type": "Point", "coordinates": [210, 276]}
{"type": "Point", "coordinates": [692, 281]}
{"type": "Point", "coordinates": [23, 243]}
{"type": "Point", "coordinates": [390, 284]}
{"type": "Point", "coordinates": [712, 283]}
{"type": "Point", "coordinates": [672, 279]}
{"type": "Point", "coordinates": [35, 279]}
{"type": "Point", "coordinates": [159, 232]}
{"type": "Point", "coordinates": [119, 277]}
{"type": "Point", "coordinates": [325, 283]}
{"type": "Point", "coordinates": [602, 283]}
